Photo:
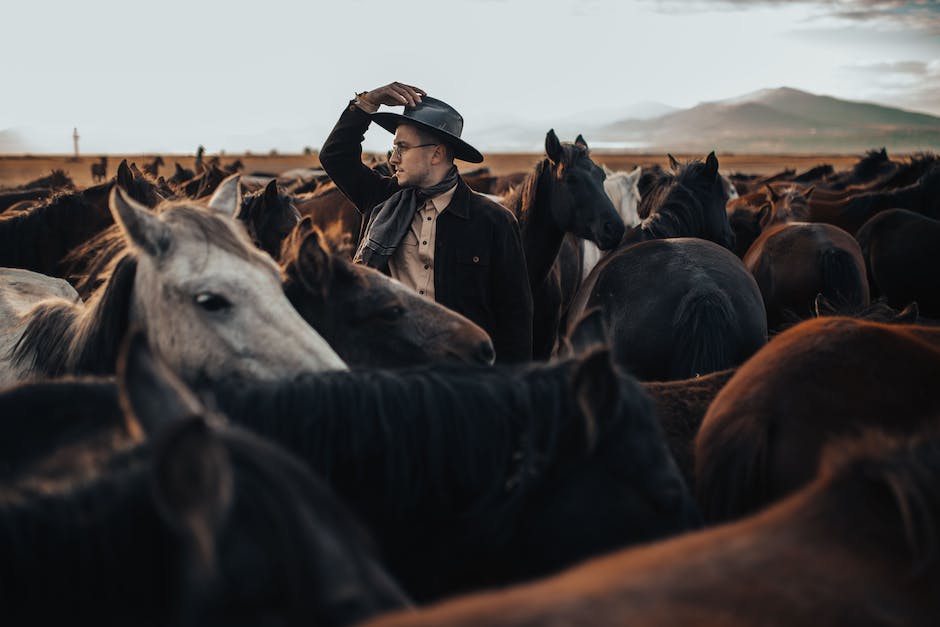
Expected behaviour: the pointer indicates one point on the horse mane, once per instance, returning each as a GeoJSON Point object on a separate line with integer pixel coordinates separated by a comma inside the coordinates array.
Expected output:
{"type": "Point", "coordinates": [673, 205]}
{"type": "Point", "coordinates": [65, 338]}
{"type": "Point", "coordinates": [20, 231]}
{"type": "Point", "coordinates": [907, 471]}
{"type": "Point", "coordinates": [434, 434]}
{"type": "Point", "coordinates": [56, 179]}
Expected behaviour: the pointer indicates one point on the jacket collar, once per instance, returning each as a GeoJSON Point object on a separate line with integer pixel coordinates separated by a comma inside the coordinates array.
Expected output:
{"type": "Point", "coordinates": [460, 203]}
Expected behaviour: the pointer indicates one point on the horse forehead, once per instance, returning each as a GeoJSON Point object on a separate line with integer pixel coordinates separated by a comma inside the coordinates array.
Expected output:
{"type": "Point", "coordinates": [194, 255]}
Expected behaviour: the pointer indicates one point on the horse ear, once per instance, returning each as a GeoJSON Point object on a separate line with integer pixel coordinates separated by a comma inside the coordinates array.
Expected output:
{"type": "Point", "coordinates": [673, 162]}
{"type": "Point", "coordinates": [314, 262]}
{"type": "Point", "coordinates": [580, 142]}
{"type": "Point", "coordinates": [589, 331]}
{"type": "Point", "coordinates": [711, 165]}
{"type": "Point", "coordinates": [270, 193]}
{"type": "Point", "coordinates": [227, 197]}
{"type": "Point", "coordinates": [822, 306]}
{"type": "Point", "coordinates": [634, 177]}
{"type": "Point", "coordinates": [808, 192]}
{"type": "Point", "coordinates": [553, 147]}
{"type": "Point", "coordinates": [884, 152]}
{"type": "Point", "coordinates": [179, 169]}
{"type": "Point", "coordinates": [596, 386]}
{"type": "Point", "coordinates": [764, 215]}
{"type": "Point", "coordinates": [139, 225]}
{"type": "Point", "coordinates": [909, 314]}
{"type": "Point", "coordinates": [125, 178]}
{"type": "Point", "coordinates": [135, 171]}
{"type": "Point", "coordinates": [773, 195]}
{"type": "Point", "coordinates": [148, 390]}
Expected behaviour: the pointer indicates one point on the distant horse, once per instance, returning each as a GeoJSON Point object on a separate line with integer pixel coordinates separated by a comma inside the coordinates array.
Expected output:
{"type": "Point", "coordinates": [180, 175]}
{"type": "Point", "coordinates": [223, 315]}
{"type": "Point", "coordinates": [687, 203]}
{"type": "Point", "coordinates": [820, 380]}
{"type": "Point", "coordinates": [56, 180]}
{"type": "Point", "coordinates": [793, 263]}
{"type": "Point", "coordinates": [99, 171]}
{"type": "Point", "coordinates": [203, 184]}
{"type": "Point", "coordinates": [269, 216]}
{"type": "Point", "coordinates": [625, 196]}
{"type": "Point", "coordinates": [475, 476]}
{"type": "Point", "coordinates": [564, 194]}
{"type": "Point", "coordinates": [368, 318]}
{"type": "Point", "coordinates": [153, 168]}
{"type": "Point", "coordinates": [874, 165]}
{"type": "Point", "coordinates": [162, 514]}
{"type": "Point", "coordinates": [902, 256]}
{"type": "Point", "coordinates": [856, 547]}
{"type": "Point", "coordinates": [675, 308]}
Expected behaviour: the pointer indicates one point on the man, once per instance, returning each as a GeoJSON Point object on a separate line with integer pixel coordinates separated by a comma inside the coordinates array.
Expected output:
{"type": "Point", "coordinates": [423, 226]}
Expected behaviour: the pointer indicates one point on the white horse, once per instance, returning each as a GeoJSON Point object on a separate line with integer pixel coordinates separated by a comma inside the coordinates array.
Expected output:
{"type": "Point", "coordinates": [206, 298]}
{"type": "Point", "coordinates": [622, 189]}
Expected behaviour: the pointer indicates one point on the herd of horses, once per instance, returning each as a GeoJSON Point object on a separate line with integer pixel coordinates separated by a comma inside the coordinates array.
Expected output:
{"type": "Point", "coordinates": [209, 414]}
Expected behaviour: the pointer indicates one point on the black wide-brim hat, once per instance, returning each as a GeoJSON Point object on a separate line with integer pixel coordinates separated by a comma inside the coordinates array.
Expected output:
{"type": "Point", "coordinates": [436, 116]}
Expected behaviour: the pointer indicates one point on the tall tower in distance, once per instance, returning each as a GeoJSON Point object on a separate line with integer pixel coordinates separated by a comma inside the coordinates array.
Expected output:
{"type": "Point", "coordinates": [75, 141]}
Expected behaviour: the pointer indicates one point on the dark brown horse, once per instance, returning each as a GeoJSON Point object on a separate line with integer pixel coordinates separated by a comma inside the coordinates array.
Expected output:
{"type": "Point", "coordinates": [793, 263]}
{"type": "Point", "coordinates": [153, 168]}
{"type": "Point", "coordinates": [269, 216]}
{"type": "Point", "coordinates": [902, 255]}
{"type": "Point", "coordinates": [99, 171]}
{"type": "Point", "coordinates": [857, 547]}
{"type": "Point", "coordinates": [564, 194]}
{"type": "Point", "coordinates": [370, 319]}
{"type": "Point", "coordinates": [818, 381]}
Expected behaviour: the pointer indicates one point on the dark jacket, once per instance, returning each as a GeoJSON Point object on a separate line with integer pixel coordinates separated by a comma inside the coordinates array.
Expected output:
{"type": "Point", "coordinates": [479, 266]}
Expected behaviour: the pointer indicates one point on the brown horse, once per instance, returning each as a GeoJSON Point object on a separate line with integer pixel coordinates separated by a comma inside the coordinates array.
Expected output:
{"type": "Point", "coordinates": [335, 216]}
{"type": "Point", "coordinates": [99, 171]}
{"type": "Point", "coordinates": [902, 255]}
{"type": "Point", "coordinates": [794, 262]}
{"type": "Point", "coordinates": [817, 381]}
{"type": "Point", "coordinates": [153, 168]}
{"type": "Point", "coordinates": [857, 547]}
{"type": "Point", "coordinates": [368, 318]}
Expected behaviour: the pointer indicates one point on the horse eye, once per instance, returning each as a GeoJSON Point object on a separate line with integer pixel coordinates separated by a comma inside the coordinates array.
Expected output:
{"type": "Point", "coordinates": [212, 302]}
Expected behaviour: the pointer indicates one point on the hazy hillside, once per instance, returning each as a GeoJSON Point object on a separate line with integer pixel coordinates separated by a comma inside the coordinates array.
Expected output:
{"type": "Point", "coordinates": [781, 120]}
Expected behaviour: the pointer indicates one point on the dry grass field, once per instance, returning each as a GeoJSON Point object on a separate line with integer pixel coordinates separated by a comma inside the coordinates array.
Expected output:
{"type": "Point", "coordinates": [17, 170]}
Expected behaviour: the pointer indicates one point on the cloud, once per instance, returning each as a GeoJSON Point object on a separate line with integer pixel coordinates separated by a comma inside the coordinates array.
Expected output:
{"type": "Point", "coordinates": [894, 68]}
{"type": "Point", "coordinates": [909, 84]}
{"type": "Point", "coordinates": [923, 15]}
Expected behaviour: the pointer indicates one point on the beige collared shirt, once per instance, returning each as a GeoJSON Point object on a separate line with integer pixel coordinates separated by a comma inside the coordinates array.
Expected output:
{"type": "Point", "coordinates": [413, 261]}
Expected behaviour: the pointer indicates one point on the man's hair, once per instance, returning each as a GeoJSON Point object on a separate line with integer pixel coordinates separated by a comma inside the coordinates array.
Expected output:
{"type": "Point", "coordinates": [430, 137]}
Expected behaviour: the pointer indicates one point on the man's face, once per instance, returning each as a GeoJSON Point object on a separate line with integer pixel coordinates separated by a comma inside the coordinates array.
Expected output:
{"type": "Point", "coordinates": [411, 158]}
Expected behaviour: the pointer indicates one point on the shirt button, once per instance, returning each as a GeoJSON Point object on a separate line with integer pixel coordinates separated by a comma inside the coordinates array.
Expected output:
{"type": "Point", "coordinates": [429, 219]}
{"type": "Point", "coordinates": [425, 242]}
{"type": "Point", "coordinates": [476, 260]}
{"type": "Point", "coordinates": [421, 292]}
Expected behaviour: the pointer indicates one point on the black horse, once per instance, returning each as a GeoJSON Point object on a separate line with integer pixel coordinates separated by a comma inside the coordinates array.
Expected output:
{"type": "Point", "coordinates": [902, 256]}
{"type": "Point", "coordinates": [269, 216]}
{"type": "Point", "coordinates": [161, 514]}
{"type": "Point", "coordinates": [474, 476]}
{"type": "Point", "coordinates": [675, 308]}
{"type": "Point", "coordinates": [687, 203]}
{"type": "Point", "coordinates": [564, 194]}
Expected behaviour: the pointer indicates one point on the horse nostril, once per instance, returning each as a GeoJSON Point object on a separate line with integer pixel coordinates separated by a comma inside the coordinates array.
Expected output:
{"type": "Point", "coordinates": [485, 352]}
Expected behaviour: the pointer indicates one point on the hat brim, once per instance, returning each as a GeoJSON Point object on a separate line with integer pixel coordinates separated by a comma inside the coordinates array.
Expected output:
{"type": "Point", "coordinates": [462, 150]}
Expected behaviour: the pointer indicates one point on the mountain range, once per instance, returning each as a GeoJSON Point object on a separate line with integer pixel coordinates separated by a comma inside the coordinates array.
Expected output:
{"type": "Point", "coordinates": [781, 120]}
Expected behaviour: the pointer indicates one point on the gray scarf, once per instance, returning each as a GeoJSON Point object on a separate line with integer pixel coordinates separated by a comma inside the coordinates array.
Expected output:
{"type": "Point", "coordinates": [389, 222]}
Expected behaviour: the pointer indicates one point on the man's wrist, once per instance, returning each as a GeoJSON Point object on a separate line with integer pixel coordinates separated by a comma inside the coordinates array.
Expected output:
{"type": "Point", "coordinates": [364, 103]}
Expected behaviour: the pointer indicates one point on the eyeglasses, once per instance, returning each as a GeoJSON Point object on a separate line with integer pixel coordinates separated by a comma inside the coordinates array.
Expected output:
{"type": "Point", "coordinates": [400, 150]}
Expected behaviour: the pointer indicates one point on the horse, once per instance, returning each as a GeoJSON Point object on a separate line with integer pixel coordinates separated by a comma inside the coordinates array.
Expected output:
{"type": "Point", "coordinates": [690, 202]}
{"type": "Point", "coordinates": [856, 547]}
{"type": "Point", "coordinates": [901, 249]}
{"type": "Point", "coordinates": [269, 216]}
{"type": "Point", "coordinates": [153, 168]}
{"type": "Point", "coordinates": [161, 513]}
{"type": "Point", "coordinates": [180, 175]}
{"type": "Point", "coordinates": [368, 318]}
{"type": "Point", "coordinates": [707, 316]}
{"type": "Point", "coordinates": [471, 476]}
{"type": "Point", "coordinates": [817, 381]}
{"type": "Point", "coordinates": [794, 262]}
{"type": "Point", "coordinates": [563, 194]}
{"type": "Point", "coordinates": [622, 189]}
{"type": "Point", "coordinates": [207, 299]}
{"type": "Point", "coordinates": [99, 171]}
{"type": "Point", "coordinates": [335, 215]}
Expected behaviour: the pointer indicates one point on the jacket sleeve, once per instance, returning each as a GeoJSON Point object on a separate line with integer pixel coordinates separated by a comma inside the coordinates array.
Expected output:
{"type": "Point", "coordinates": [341, 157]}
{"type": "Point", "coordinates": [512, 297]}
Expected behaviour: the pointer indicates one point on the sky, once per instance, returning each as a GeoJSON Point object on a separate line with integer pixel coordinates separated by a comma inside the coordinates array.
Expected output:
{"type": "Point", "coordinates": [167, 76]}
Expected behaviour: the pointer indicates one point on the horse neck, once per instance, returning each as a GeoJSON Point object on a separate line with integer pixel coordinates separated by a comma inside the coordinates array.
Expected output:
{"type": "Point", "coordinates": [541, 236]}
